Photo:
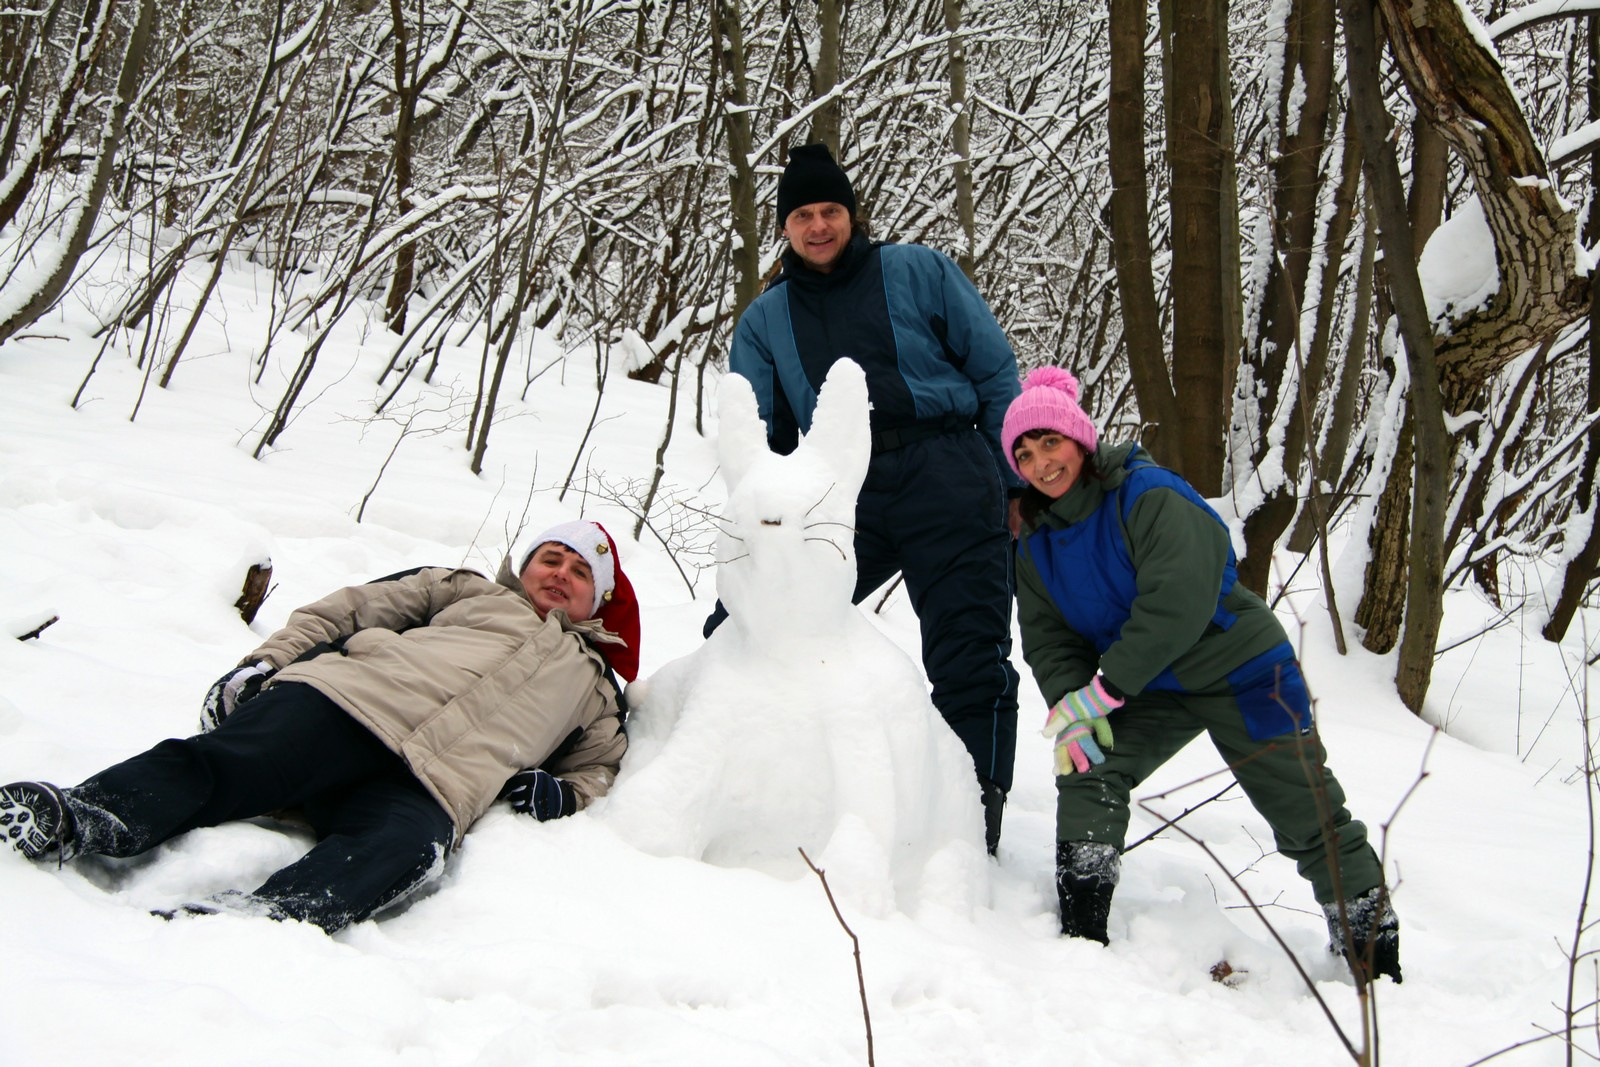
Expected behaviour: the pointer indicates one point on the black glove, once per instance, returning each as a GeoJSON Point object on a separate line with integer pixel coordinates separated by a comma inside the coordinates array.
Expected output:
{"type": "Point", "coordinates": [540, 794]}
{"type": "Point", "coordinates": [231, 690]}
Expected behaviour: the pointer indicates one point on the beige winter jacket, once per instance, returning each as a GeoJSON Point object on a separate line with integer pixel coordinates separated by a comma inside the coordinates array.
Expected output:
{"type": "Point", "coordinates": [460, 677]}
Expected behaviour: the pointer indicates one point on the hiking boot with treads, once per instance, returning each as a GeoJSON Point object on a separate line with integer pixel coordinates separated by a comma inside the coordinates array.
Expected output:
{"type": "Point", "coordinates": [35, 821]}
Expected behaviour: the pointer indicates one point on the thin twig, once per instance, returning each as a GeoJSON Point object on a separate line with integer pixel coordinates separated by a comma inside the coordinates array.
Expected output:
{"type": "Point", "coordinates": [1183, 814]}
{"type": "Point", "coordinates": [1260, 914]}
{"type": "Point", "coordinates": [1497, 1053]}
{"type": "Point", "coordinates": [855, 942]}
{"type": "Point", "coordinates": [1580, 923]}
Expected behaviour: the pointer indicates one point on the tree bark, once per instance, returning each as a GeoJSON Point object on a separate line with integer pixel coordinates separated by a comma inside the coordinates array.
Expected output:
{"type": "Point", "coordinates": [1297, 187]}
{"type": "Point", "coordinates": [405, 109]}
{"type": "Point", "coordinates": [1462, 93]}
{"type": "Point", "coordinates": [960, 141]}
{"type": "Point", "coordinates": [1430, 168]}
{"type": "Point", "coordinates": [1460, 89]}
{"type": "Point", "coordinates": [1200, 297]}
{"type": "Point", "coordinates": [50, 288]}
{"type": "Point", "coordinates": [1130, 235]}
{"type": "Point", "coordinates": [1581, 568]}
{"type": "Point", "coordinates": [61, 113]}
{"type": "Point", "coordinates": [1424, 599]}
{"type": "Point", "coordinates": [728, 37]}
{"type": "Point", "coordinates": [830, 44]}
{"type": "Point", "coordinates": [1341, 412]}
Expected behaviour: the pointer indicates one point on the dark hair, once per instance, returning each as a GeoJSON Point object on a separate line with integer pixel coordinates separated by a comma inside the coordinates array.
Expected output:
{"type": "Point", "coordinates": [1032, 503]}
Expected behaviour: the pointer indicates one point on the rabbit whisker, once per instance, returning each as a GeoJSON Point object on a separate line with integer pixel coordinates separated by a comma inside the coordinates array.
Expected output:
{"type": "Point", "coordinates": [835, 544]}
{"type": "Point", "coordinates": [733, 559]}
{"type": "Point", "coordinates": [821, 498]}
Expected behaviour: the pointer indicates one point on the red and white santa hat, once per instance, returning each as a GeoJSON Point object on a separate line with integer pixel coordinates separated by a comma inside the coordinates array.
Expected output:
{"type": "Point", "coordinates": [615, 604]}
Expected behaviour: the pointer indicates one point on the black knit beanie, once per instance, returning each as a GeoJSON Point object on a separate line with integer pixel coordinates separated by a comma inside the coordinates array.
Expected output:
{"type": "Point", "coordinates": [812, 177]}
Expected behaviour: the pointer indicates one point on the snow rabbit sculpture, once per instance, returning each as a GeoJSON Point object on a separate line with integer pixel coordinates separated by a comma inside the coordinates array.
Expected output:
{"type": "Point", "coordinates": [797, 724]}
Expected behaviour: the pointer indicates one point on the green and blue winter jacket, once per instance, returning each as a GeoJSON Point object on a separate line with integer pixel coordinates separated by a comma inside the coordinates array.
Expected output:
{"type": "Point", "coordinates": [1130, 573]}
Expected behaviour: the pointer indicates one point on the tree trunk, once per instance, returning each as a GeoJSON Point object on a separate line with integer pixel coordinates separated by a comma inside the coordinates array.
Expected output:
{"type": "Point", "coordinates": [1341, 413]}
{"type": "Point", "coordinates": [1130, 235]}
{"type": "Point", "coordinates": [830, 44]}
{"type": "Point", "coordinates": [1200, 296]}
{"type": "Point", "coordinates": [1430, 169]}
{"type": "Point", "coordinates": [1424, 600]}
{"type": "Point", "coordinates": [728, 36]}
{"type": "Point", "coordinates": [960, 140]}
{"type": "Point", "coordinates": [1303, 107]}
{"type": "Point", "coordinates": [61, 112]}
{"type": "Point", "coordinates": [1580, 569]}
{"type": "Point", "coordinates": [81, 226]}
{"type": "Point", "coordinates": [405, 107]}
{"type": "Point", "coordinates": [1582, 566]}
{"type": "Point", "coordinates": [1460, 89]}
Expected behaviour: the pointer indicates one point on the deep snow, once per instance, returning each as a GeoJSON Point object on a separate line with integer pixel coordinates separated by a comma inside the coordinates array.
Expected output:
{"type": "Point", "coordinates": [566, 943]}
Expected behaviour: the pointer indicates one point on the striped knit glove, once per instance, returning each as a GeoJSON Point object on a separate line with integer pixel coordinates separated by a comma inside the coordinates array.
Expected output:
{"type": "Point", "coordinates": [1078, 722]}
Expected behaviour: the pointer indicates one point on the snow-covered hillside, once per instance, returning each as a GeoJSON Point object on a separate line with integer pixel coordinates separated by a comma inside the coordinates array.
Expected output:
{"type": "Point", "coordinates": [564, 943]}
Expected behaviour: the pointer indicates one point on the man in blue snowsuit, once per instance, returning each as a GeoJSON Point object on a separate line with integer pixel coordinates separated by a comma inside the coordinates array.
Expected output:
{"type": "Point", "coordinates": [939, 374]}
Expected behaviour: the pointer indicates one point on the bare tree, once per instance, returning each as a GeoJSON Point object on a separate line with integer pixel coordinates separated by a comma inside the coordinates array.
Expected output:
{"type": "Point", "coordinates": [26, 307]}
{"type": "Point", "coordinates": [1130, 228]}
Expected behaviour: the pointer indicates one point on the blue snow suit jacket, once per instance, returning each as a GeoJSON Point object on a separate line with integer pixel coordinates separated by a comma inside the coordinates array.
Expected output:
{"type": "Point", "coordinates": [929, 345]}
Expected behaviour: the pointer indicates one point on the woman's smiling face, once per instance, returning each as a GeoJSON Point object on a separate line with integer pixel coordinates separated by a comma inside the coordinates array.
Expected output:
{"type": "Point", "coordinates": [1051, 462]}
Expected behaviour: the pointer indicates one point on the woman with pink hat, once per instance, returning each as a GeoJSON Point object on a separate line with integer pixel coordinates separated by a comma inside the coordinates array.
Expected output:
{"type": "Point", "coordinates": [391, 715]}
{"type": "Point", "coordinates": [1141, 638]}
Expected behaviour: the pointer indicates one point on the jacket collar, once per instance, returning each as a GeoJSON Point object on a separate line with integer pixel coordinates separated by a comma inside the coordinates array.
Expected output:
{"type": "Point", "coordinates": [1079, 502]}
{"type": "Point", "coordinates": [850, 262]}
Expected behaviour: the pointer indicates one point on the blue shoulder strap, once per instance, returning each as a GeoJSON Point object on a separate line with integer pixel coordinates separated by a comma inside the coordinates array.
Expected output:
{"type": "Point", "coordinates": [1145, 474]}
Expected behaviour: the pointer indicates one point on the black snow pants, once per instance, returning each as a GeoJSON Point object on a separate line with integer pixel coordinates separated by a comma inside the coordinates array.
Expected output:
{"type": "Point", "coordinates": [380, 833]}
{"type": "Point", "coordinates": [934, 509]}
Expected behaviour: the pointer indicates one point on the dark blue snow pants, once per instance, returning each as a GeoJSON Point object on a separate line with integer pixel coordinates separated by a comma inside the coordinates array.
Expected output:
{"type": "Point", "coordinates": [935, 511]}
{"type": "Point", "coordinates": [380, 833]}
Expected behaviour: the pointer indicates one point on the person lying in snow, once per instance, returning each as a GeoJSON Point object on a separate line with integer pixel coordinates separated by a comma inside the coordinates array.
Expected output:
{"type": "Point", "coordinates": [1131, 618]}
{"type": "Point", "coordinates": [391, 715]}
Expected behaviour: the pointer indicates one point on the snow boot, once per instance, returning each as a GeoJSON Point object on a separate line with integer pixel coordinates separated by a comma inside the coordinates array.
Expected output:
{"type": "Point", "coordinates": [1086, 877]}
{"type": "Point", "coordinates": [1373, 946]}
{"type": "Point", "coordinates": [35, 819]}
{"type": "Point", "coordinates": [994, 806]}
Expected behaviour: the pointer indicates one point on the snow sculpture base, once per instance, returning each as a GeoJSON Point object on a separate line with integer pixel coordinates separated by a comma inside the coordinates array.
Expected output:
{"type": "Point", "coordinates": [797, 724]}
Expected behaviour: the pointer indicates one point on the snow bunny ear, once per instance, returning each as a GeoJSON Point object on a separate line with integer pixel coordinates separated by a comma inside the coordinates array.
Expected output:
{"type": "Point", "coordinates": [841, 434]}
{"type": "Point", "coordinates": [741, 435]}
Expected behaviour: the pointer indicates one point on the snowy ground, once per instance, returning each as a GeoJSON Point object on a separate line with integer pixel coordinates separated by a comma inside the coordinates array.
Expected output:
{"type": "Point", "coordinates": [563, 944]}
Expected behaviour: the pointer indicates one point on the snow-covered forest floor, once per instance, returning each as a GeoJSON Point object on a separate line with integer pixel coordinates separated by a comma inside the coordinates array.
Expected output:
{"type": "Point", "coordinates": [561, 943]}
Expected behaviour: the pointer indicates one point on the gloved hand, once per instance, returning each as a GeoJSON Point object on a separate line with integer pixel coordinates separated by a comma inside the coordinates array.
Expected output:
{"type": "Point", "coordinates": [540, 794]}
{"type": "Point", "coordinates": [231, 690]}
{"type": "Point", "coordinates": [1078, 721]}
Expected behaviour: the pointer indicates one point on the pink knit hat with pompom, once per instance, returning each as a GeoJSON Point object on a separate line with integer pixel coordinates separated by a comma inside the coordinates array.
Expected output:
{"type": "Point", "coordinates": [1048, 401]}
